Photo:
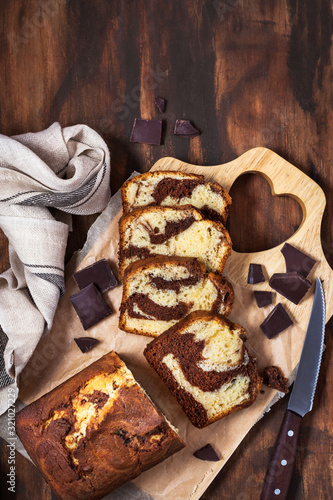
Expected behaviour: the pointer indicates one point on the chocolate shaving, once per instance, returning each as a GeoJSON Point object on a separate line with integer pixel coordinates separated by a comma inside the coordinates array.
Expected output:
{"type": "Point", "coordinates": [207, 453]}
{"type": "Point", "coordinates": [86, 343]}
{"type": "Point", "coordinates": [263, 298]}
{"type": "Point", "coordinates": [277, 321]}
{"type": "Point", "coordinates": [160, 104]}
{"type": "Point", "coordinates": [292, 285]}
{"type": "Point", "coordinates": [99, 273]}
{"type": "Point", "coordinates": [147, 131]}
{"type": "Point", "coordinates": [90, 306]}
{"type": "Point", "coordinates": [255, 275]}
{"type": "Point", "coordinates": [185, 127]}
{"type": "Point", "coordinates": [296, 260]}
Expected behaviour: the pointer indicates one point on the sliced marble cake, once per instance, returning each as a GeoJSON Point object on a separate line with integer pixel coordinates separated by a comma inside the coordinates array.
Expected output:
{"type": "Point", "coordinates": [160, 291]}
{"type": "Point", "coordinates": [180, 231]}
{"type": "Point", "coordinates": [206, 366]}
{"type": "Point", "coordinates": [169, 188]}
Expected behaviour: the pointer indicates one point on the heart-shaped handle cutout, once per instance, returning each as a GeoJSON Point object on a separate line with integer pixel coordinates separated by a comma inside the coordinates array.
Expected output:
{"type": "Point", "coordinates": [258, 220]}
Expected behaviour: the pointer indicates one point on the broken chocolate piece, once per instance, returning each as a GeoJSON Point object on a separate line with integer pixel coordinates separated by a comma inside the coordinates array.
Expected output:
{"type": "Point", "coordinates": [255, 275]}
{"type": "Point", "coordinates": [160, 104]}
{"type": "Point", "coordinates": [292, 285]}
{"type": "Point", "coordinates": [273, 377]}
{"type": "Point", "coordinates": [185, 127]}
{"type": "Point", "coordinates": [277, 321]}
{"type": "Point", "coordinates": [147, 131]}
{"type": "Point", "coordinates": [90, 306]}
{"type": "Point", "coordinates": [86, 343]}
{"type": "Point", "coordinates": [207, 453]}
{"type": "Point", "coordinates": [263, 298]}
{"type": "Point", "coordinates": [297, 260]}
{"type": "Point", "coordinates": [99, 273]}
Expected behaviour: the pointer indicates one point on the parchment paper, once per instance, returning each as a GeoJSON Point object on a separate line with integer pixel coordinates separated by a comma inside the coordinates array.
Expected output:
{"type": "Point", "coordinates": [57, 357]}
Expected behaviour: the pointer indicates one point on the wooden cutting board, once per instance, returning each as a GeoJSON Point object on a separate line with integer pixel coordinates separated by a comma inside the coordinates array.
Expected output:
{"type": "Point", "coordinates": [56, 357]}
{"type": "Point", "coordinates": [284, 179]}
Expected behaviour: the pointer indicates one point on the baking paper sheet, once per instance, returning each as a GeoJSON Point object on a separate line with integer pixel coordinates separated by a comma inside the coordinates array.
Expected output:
{"type": "Point", "coordinates": [57, 358]}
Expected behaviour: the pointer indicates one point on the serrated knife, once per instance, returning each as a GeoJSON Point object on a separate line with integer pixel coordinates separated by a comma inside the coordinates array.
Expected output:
{"type": "Point", "coordinates": [281, 465]}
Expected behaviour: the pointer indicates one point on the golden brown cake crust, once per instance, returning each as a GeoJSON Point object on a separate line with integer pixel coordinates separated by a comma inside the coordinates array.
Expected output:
{"type": "Point", "coordinates": [121, 440]}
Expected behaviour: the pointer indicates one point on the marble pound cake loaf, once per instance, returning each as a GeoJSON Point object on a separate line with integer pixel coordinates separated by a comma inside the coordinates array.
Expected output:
{"type": "Point", "coordinates": [206, 366]}
{"type": "Point", "coordinates": [160, 291]}
{"type": "Point", "coordinates": [95, 431]}
{"type": "Point", "coordinates": [169, 231]}
{"type": "Point", "coordinates": [169, 188]}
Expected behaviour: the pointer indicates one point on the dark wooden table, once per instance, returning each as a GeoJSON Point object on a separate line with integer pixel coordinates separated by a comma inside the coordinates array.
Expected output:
{"type": "Point", "coordinates": [247, 73]}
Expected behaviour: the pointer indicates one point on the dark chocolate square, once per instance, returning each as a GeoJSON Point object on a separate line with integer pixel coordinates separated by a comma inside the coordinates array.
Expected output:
{"type": "Point", "coordinates": [277, 321]}
{"type": "Point", "coordinates": [207, 453]}
{"type": "Point", "coordinates": [160, 104]}
{"type": "Point", "coordinates": [292, 285]}
{"type": "Point", "coordinates": [99, 273]}
{"type": "Point", "coordinates": [263, 298]}
{"type": "Point", "coordinates": [297, 260]}
{"type": "Point", "coordinates": [185, 127]}
{"type": "Point", "coordinates": [90, 306]}
{"type": "Point", "coordinates": [147, 131]}
{"type": "Point", "coordinates": [256, 274]}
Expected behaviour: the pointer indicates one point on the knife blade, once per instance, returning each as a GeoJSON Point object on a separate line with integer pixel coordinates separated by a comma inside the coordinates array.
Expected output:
{"type": "Point", "coordinates": [281, 465]}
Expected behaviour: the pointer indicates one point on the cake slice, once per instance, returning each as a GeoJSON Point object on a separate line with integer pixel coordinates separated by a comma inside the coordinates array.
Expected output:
{"type": "Point", "coordinates": [160, 291]}
{"type": "Point", "coordinates": [180, 231]}
{"type": "Point", "coordinates": [95, 431]}
{"type": "Point", "coordinates": [169, 188]}
{"type": "Point", "coordinates": [206, 366]}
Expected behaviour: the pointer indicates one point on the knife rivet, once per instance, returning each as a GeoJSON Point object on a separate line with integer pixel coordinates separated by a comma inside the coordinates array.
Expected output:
{"type": "Point", "coordinates": [284, 462]}
{"type": "Point", "coordinates": [277, 491]}
{"type": "Point", "coordinates": [290, 433]}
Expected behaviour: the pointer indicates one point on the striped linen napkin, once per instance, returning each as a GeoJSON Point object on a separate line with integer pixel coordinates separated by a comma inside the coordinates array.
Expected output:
{"type": "Point", "coordinates": [67, 169]}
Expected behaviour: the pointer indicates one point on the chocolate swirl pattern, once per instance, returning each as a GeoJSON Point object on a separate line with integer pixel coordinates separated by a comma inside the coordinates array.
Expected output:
{"type": "Point", "coordinates": [206, 366]}
{"type": "Point", "coordinates": [160, 291]}
{"type": "Point", "coordinates": [170, 188]}
{"type": "Point", "coordinates": [169, 231]}
{"type": "Point", "coordinates": [95, 431]}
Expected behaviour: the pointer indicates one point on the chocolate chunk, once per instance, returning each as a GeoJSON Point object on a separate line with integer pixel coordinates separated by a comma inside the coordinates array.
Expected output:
{"type": "Point", "coordinates": [292, 285]}
{"type": "Point", "coordinates": [277, 321]}
{"type": "Point", "coordinates": [273, 377]}
{"type": "Point", "coordinates": [90, 306]}
{"type": "Point", "coordinates": [255, 275]}
{"type": "Point", "coordinates": [184, 127]}
{"type": "Point", "coordinates": [160, 104]}
{"type": "Point", "coordinates": [99, 273]}
{"type": "Point", "coordinates": [207, 453]}
{"type": "Point", "coordinates": [263, 298]}
{"type": "Point", "coordinates": [147, 131]}
{"type": "Point", "coordinates": [297, 260]}
{"type": "Point", "coordinates": [86, 343]}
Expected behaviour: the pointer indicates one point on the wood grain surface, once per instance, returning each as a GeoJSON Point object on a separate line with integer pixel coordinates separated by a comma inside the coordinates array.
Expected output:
{"type": "Point", "coordinates": [246, 73]}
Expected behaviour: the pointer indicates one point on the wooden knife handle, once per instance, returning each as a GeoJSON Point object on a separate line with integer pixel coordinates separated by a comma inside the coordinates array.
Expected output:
{"type": "Point", "coordinates": [281, 465]}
